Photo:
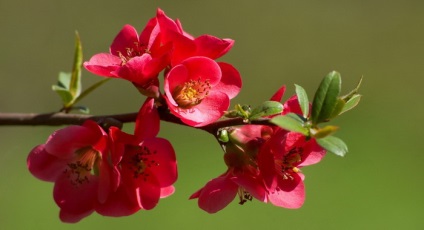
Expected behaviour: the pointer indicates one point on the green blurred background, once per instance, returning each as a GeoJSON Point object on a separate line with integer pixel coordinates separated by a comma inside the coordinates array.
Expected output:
{"type": "Point", "coordinates": [378, 185]}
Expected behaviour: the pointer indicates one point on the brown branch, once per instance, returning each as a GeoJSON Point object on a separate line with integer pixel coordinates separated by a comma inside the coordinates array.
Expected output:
{"type": "Point", "coordinates": [56, 119]}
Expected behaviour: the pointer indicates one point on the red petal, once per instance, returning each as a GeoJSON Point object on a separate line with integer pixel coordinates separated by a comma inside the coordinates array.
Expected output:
{"type": "Point", "coordinates": [134, 70]}
{"type": "Point", "coordinates": [147, 123]}
{"type": "Point", "coordinates": [64, 142]}
{"type": "Point", "coordinates": [43, 165]}
{"type": "Point", "coordinates": [118, 204]}
{"type": "Point", "coordinates": [212, 47]}
{"type": "Point", "coordinates": [292, 199]}
{"type": "Point", "coordinates": [230, 83]}
{"type": "Point", "coordinates": [208, 111]}
{"type": "Point", "coordinates": [68, 217]}
{"type": "Point", "coordinates": [149, 193]}
{"type": "Point", "coordinates": [167, 191]}
{"type": "Point", "coordinates": [217, 194]}
{"type": "Point", "coordinates": [292, 106]}
{"type": "Point", "coordinates": [279, 94]}
{"type": "Point", "coordinates": [203, 69]}
{"type": "Point", "coordinates": [149, 33]}
{"type": "Point", "coordinates": [266, 164]}
{"type": "Point", "coordinates": [103, 64]}
{"type": "Point", "coordinates": [314, 153]}
{"type": "Point", "coordinates": [164, 164]}
{"type": "Point", "coordinates": [75, 199]}
{"type": "Point", "coordinates": [125, 39]}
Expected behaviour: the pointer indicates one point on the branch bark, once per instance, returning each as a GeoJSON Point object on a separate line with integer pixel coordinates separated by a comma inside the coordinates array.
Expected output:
{"type": "Point", "coordinates": [59, 118]}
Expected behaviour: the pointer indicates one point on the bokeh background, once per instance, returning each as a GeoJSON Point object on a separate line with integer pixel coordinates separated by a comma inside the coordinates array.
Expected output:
{"type": "Point", "coordinates": [378, 185]}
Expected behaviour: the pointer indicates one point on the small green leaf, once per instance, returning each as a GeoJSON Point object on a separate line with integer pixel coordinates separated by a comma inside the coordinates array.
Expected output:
{"type": "Point", "coordinates": [351, 103]}
{"type": "Point", "coordinates": [302, 97]}
{"type": "Point", "coordinates": [75, 82]}
{"type": "Point", "coordinates": [334, 145]}
{"type": "Point", "coordinates": [63, 93]}
{"type": "Point", "coordinates": [64, 80]}
{"type": "Point", "coordinates": [291, 124]}
{"type": "Point", "coordinates": [325, 98]}
{"type": "Point", "coordinates": [267, 108]}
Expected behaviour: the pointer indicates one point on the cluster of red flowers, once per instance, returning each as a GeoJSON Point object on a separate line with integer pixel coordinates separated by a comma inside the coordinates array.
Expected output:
{"type": "Point", "coordinates": [264, 163]}
{"type": "Point", "coordinates": [116, 174]}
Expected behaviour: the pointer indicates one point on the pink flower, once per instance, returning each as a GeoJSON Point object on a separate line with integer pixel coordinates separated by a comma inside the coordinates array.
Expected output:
{"type": "Point", "coordinates": [242, 177]}
{"type": "Point", "coordinates": [137, 58]}
{"type": "Point", "coordinates": [280, 160]}
{"type": "Point", "coordinates": [146, 165]}
{"type": "Point", "coordinates": [198, 90]}
{"type": "Point", "coordinates": [76, 160]}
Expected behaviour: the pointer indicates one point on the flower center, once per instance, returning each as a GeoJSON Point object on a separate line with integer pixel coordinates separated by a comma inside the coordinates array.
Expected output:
{"type": "Point", "coordinates": [137, 50]}
{"type": "Point", "coordinates": [139, 161]}
{"type": "Point", "coordinates": [191, 93]}
{"type": "Point", "coordinates": [83, 165]}
{"type": "Point", "coordinates": [289, 162]}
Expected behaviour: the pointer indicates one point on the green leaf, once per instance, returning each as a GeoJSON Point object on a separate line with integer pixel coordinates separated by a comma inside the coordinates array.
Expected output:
{"type": "Point", "coordinates": [63, 93]}
{"type": "Point", "coordinates": [351, 103]}
{"type": "Point", "coordinates": [64, 80]}
{"type": "Point", "coordinates": [302, 97]}
{"type": "Point", "coordinates": [267, 108]}
{"type": "Point", "coordinates": [325, 98]}
{"type": "Point", "coordinates": [291, 124]}
{"type": "Point", "coordinates": [75, 82]}
{"type": "Point", "coordinates": [334, 145]}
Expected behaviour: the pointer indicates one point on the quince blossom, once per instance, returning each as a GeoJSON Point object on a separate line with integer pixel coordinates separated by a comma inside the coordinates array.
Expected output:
{"type": "Point", "coordinates": [280, 160]}
{"type": "Point", "coordinates": [198, 90]}
{"type": "Point", "coordinates": [76, 160]}
{"type": "Point", "coordinates": [242, 177]}
{"type": "Point", "coordinates": [146, 166]}
{"type": "Point", "coordinates": [137, 58]}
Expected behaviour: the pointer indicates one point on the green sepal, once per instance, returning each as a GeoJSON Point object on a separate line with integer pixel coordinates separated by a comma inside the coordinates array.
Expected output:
{"type": "Point", "coordinates": [326, 97]}
{"type": "Point", "coordinates": [290, 123]}
{"type": "Point", "coordinates": [267, 108]}
{"type": "Point", "coordinates": [302, 97]}
{"type": "Point", "coordinates": [334, 145]}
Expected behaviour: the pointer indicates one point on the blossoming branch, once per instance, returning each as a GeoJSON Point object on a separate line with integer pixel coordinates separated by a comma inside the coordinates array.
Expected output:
{"type": "Point", "coordinates": [96, 167]}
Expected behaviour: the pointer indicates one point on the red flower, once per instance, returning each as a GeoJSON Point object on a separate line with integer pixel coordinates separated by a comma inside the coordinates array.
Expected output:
{"type": "Point", "coordinates": [146, 165]}
{"type": "Point", "coordinates": [280, 160]}
{"type": "Point", "coordinates": [76, 160]}
{"type": "Point", "coordinates": [242, 177]}
{"type": "Point", "coordinates": [198, 90]}
{"type": "Point", "coordinates": [137, 58]}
